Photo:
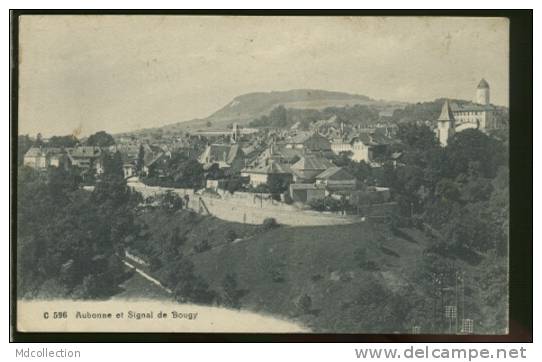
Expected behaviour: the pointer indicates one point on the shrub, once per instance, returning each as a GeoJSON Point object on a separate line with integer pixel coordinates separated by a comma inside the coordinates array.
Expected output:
{"type": "Point", "coordinates": [326, 204]}
{"type": "Point", "coordinates": [171, 201]}
{"type": "Point", "coordinates": [287, 198]}
{"type": "Point", "coordinates": [231, 235]}
{"type": "Point", "coordinates": [269, 223]}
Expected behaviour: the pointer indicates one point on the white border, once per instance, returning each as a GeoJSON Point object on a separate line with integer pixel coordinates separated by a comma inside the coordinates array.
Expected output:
{"type": "Point", "coordinates": [249, 352]}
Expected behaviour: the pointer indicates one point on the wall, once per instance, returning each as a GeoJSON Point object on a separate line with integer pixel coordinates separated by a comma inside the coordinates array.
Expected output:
{"type": "Point", "coordinates": [249, 208]}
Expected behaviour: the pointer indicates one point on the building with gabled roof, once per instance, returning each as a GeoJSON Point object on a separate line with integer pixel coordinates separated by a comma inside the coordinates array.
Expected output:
{"type": "Point", "coordinates": [87, 157]}
{"type": "Point", "coordinates": [306, 192]}
{"type": "Point", "coordinates": [43, 157]}
{"type": "Point", "coordinates": [336, 179]}
{"type": "Point", "coordinates": [308, 167]}
{"type": "Point", "coordinates": [226, 156]}
{"type": "Point", "coordinates": [260, 175]}
{"type": "Point", "coordinates": [308, 141]}
{"type": "Point", "coordinates": [364, 146]}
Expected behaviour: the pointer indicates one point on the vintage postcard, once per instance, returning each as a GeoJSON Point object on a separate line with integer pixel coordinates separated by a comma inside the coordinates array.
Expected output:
{"type": "Point", "coordinates": [262, 174]}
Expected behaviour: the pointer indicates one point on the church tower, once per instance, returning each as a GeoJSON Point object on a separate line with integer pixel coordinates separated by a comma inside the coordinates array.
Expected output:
{"type": "Point", "coordinates": [446, 124]}
{"type": "Point", "coordinates": [482, 93]}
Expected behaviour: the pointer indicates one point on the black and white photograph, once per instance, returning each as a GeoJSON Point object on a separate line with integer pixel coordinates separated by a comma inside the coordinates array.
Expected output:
{"type": "Point", "coordinates": [262, 174]}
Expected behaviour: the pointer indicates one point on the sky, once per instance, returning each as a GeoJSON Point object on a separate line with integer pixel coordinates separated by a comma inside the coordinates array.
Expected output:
{"type": "Point", "coordinates": [81, 74]}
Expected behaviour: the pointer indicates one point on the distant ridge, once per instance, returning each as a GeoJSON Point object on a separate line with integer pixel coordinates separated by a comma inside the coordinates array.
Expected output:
{"type": "Point", "coordinates": [244, 108]}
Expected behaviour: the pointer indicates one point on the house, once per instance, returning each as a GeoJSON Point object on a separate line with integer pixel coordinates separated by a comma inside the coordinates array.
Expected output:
{"type": "Point", "coordinates": [364, 146]}
{"type": "Point", "coordinates": [283, 155]}
{"type": "Point", "coordinates": [42, 157]}
{"type": "Point", "coordinates": [230, 157]}
{"type": "Point", "coordinates": [308, 141]}
{"type": "Point", "coordinates": [87, 158]}
{"type": "Point", "coordinates": [58, 158]}
{"type": "Point", "coordinates": [129, 170]}
{"type": "Point", "coordinates": [261, 175]}
{"type": "Point", "coordinates": [36, 157]}
{"type": "Point", "coordinates": [308, 167]}
{"type": "Point", "coordinates": [303, 192]}
{"type": "Point", "coordinates": [216, 184]}
{"type": "Point", "coordinates": [336, 179]}
{"type": "Point", "coordinates": [156, 165]}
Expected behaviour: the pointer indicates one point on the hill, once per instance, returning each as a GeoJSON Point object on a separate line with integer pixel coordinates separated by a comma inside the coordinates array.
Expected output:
{"type": "Point", "coordinates": [252, 105]}
{"type": "Point", "coordinates": [273, 268]}
{"type": "Point", "coordinates": [367, 277]}
{"type": "Point", "coordinates": [244, 108]}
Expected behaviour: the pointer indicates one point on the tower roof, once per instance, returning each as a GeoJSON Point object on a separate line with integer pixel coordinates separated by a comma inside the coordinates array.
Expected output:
{"type": "Point", "coordinates": [446, 113]}
{"type": "Point", "coordinates": [483, 84]}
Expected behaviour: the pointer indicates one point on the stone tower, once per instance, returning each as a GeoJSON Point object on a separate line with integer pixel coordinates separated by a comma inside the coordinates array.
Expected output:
{"type": "Point", "coordinates": [446, 124]}
{"type": "Point", "coordinates": [482, 92]}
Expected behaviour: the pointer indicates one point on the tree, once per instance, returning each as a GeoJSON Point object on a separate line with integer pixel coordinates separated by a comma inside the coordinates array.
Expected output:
{"type": "Point", "coordinates": [277, 184]}
{"type": "Point", "coordinates": [24, 143]}
{"type": "Point", "coordinates": [68, 237]}
{"type": "Point", "coordinates": [416, 137]}
{"type": "Point", "coordinates": [63, 141]}
{"type": "Point", "coordinates": [100, 139]}
{"type": "Point", "coordinates": [141, 158]}
{"type": "Point", "coordinates": [231, 235]}
{"type": "Point", "coordinates": [171, 201]}
{"type": "Point", "coordinates": [269, 223]}
{"type": "Point", "coordinates": [188, 173]}
{"type": "Point", "coordinates": [39, 140]}
{"type": "Point", "coordinates": [231, 293]}
{"type": "Point", "coordinates": [470, 146]}
{"type": "Point", "coordinates": [173, 244]}
{"type": "Point", "coordinates": [193, 289]}
{"type": "Point", "coordinates": [278, 116]}
{"type": "Point", "coordinates": [326, 204]}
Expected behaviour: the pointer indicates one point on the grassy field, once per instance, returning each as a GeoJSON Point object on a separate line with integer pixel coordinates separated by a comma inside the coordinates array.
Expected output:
{"type": "Point", "coordinates": [275, 267]}
{"type": "Point", "coordinates": [317, 261]}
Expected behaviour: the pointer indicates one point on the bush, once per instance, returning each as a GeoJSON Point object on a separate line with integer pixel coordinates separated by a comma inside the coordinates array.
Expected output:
{"type": "Point", "coordinates": [231, 235]}
{"type": "Point", "coordinates": [269, 223]}
{"type": "Point", "coordinates": [261, 188]}
{"type": "Point", "coordinates": [326, 204]}
{"type": "Point", "coordinates": [287, 198]}
{"type": "Point", "coordinates": [171, 201]}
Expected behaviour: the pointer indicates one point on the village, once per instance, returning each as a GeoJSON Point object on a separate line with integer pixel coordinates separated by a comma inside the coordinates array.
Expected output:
{"type": "Point", "coordinates": [272, 171]}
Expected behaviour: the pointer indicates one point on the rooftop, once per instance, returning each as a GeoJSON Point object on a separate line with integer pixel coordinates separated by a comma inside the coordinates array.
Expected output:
{"type": "Point", "coordinates": [311, 162]}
